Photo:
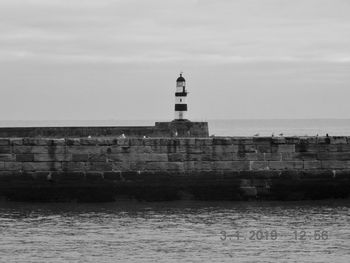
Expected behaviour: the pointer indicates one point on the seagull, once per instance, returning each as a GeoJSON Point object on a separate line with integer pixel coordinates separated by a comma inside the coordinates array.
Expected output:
{"type": "Point", "coordinates": [281, 134]}
{"type": "Point", "coordinates": [257, 134]}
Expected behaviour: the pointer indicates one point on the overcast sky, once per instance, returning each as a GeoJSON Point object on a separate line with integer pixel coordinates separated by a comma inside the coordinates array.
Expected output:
{"type": "Point", "coordinates": [119, 59]}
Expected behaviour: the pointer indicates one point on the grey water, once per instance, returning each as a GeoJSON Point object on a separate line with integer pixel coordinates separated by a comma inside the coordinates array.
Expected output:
{"type": "Point", "coordinates": [234, 127]}
{"type": "Point", "coordinates": [129, 231]}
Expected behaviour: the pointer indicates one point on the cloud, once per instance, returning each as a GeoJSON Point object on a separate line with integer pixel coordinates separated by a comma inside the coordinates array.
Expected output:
{"type": "Point", "coordinates": [163, 31]}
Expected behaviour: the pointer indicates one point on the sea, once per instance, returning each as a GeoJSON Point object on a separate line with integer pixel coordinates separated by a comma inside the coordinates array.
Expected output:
{"type": "Point", "coordinates": [234, 127]}
{"type": "Point", "coordinates": [182, 231]}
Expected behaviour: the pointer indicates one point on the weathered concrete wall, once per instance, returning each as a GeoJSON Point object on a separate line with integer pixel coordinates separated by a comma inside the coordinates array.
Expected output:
{"type": "Point", "coordinates": [161, 129]}
{"type": "Point", "coordinates": [230, 168]}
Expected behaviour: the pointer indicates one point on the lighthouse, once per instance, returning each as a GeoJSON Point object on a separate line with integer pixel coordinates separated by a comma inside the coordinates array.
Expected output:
{"type": "Point", "coordinates": [180, 99]}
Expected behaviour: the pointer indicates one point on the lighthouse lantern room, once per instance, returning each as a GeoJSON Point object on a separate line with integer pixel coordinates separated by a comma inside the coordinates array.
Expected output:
{"type": "Point", "coordinates": [180, 99]}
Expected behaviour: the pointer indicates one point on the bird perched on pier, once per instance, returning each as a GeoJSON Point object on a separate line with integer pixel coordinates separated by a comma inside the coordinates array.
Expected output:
{"type": "Point", "coordinates": [281, 134]}
{"type": "Point", "coordinates": [257, 134]}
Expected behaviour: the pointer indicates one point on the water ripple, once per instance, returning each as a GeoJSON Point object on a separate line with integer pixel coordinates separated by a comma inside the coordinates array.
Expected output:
{"type": "Point", "coordinates": [176, 231]}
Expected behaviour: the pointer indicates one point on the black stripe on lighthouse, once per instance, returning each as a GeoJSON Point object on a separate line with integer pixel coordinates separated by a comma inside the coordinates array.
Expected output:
{"type": "Point", "coordinates": [181, 107]}
{"type": "Point", "coordinates": [180, 94]}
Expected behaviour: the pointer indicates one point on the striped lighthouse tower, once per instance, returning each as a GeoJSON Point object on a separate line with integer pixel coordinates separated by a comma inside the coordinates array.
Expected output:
{"type": "Point", "coordinates": [180, 99]}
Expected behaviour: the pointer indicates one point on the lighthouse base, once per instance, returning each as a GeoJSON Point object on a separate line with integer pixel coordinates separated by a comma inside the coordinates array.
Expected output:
{"type": "Point", "coordinates": [184, 128]}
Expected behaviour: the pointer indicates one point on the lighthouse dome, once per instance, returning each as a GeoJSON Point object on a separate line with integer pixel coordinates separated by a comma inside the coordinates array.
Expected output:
{"type": "Point", "coordinates": [180, 79]}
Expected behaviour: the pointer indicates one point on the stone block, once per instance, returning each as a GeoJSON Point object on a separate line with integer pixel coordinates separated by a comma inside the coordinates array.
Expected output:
{"type": "Point", "coordinates": [98, 157]}
{"type": "Point", "coordinates": [242, 140]}
{"type": "Point", "coordinates": [232, 165]}
{"type": "Point", "coordinates": [176, 166]}
{"type": "Point", "coordinates": [149, 142]}
{"type": "Point", "coordinates": [74, 166]}
{"type": "Point", "coordinates": [305, 147]}
{"type": "Point", "coordinates": [262, 140]}
{"type": "Point", "coordinates": [136, 141]}
{"type": "Point", "coordinates": [247, 157]}
{"type": "Point", "coordinates": [196, 157]}
{"type": "Point", "coordinates": [323, 140]}
{"type": "Point", "coordinates": [36, 142]}
{"type": "Point", "coordinates": [247, 148]}
{"type": "Point", "coordinates": [203, 142]}
{"type": "Point", "coordinates": [269, 157]}
{"type": "Point", "coordinates": [80, 157]}
{"type": "Point", "coordinates": [24, 157]}
{"type": "Point", "coordinates": [264, 148]}
{"type": "Point", "coordinates": [121, 166]}
{"type": "Point", "coordinates": [333, 156]}
{"type": "Point", "coordinates": [41, 166]}
{"type": "Point", "coordinates": [107, 141]}
{"type": "Point", "coordinates": [278, 140]}
{"type": "Point", "coordinates": [164, 166]}
{"type": "Point", "coordinates": [316, 148]}
{"type": "Point", "coordinates": [335, 164]}
{"type": "Point", "coordinates": [5, 149]}
{"type": "Point", "coordinates": [222, 141]}
{"type": "Point", "coordinates": [223, 156]}
{"type": "Point", "coordinates": [140, 149]}
{"type": "Point", "coordinates": [89, 141]}
{"type": "Point", "coordinates": [201, 157]}
{"type": "Point", "coordinates": [43, 157]}
{"type": "Point", "coordinates": [292, 140]}
{"type": "Point", "coordinates": [189, 165]}
{"type": "Point", "coordinates": [4, 142]}
{"type": "Point", "coordinates": [138, 166]}
{"type": "Point", "coordinates": [118, 149]}
{"type": "Point", "coordinates": [154, 157]}
{"type": "Point", "coordinates": [72, 141]}
{"type": "Point", "coordinates": [286, 148]}
{"type": "Point", "coordinates": [7, 157]}
{"type": "Point", "coordinates": [224, 148]}
{"type": "Point", "coordinates": [312, 165]}
{"type": "Point", "coordinates": [2, 166]}
{"type": "Point", "coordinates": [85, 149]}
{"type": "Point", "coordinates": [188, 142]}
{"type": "Point", "coordinates": [297, 156]}
{"type": "Point", "coordinates": [39, 149]}
{"type": "Point", "coordinates": [290, 165]}
{"type": "Point", "coordinates": [258, 165]}
{"type": "Point", "coordinates": [339, 140]}
{"type": "Point", "coordinates": [308, 140]}
{"type": "Point", "coordinates": [340, 147]}
{"type": "Point", "coordinates": [22, 149]}
{"type": "Point", "coordinates": [198, 150]}
{"type": "Point", "coordinates": [123, 142]}
{"type": "Point", "coordinates": [99, 166]}
{"type": "Point", "coordinates": [203, 165]}
{"type": "Point", "coordinates": [16, 141]}
{"type": "Point", "coordinates": [178, 157]}
{"type": "Point", "coordinates": [13, 166]}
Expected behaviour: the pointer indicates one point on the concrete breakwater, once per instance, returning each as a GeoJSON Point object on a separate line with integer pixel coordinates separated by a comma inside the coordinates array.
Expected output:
{"type": "Point", "coordinates": [211, 168]}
